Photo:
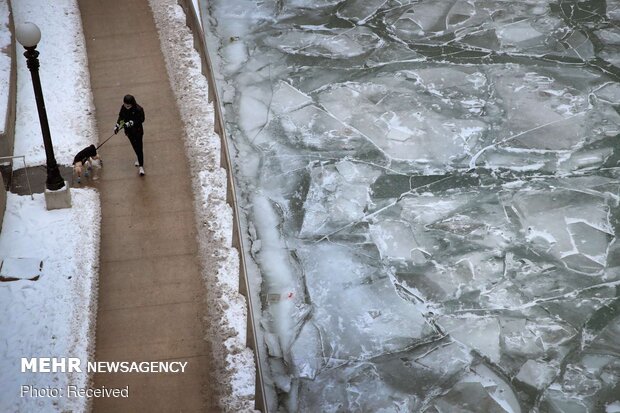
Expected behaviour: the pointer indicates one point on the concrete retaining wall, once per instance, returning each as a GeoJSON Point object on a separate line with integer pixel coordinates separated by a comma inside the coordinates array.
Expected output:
{"type": "Point", "coordinates": [7, 134]}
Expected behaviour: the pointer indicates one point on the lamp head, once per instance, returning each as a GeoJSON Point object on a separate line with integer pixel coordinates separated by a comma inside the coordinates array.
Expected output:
{"type": "Point", "coordinates": [27, 34]}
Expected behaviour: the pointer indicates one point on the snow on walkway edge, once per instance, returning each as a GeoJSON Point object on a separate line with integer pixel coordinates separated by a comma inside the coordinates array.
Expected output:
{"type": "Point", "coordinates": [233, 361]}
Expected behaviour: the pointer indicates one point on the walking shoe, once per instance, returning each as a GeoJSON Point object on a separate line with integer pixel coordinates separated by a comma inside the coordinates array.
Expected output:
{"type": "Point", "coordinates": [136, 164]}
{"type": "Point", "coordinates": [141, 171]}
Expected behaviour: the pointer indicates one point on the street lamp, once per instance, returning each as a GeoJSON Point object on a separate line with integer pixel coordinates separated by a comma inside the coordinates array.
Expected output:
{"type": "Point", "coordinates": [28, 35]}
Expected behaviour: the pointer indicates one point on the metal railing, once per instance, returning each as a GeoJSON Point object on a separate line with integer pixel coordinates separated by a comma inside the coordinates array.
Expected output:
{"type": "Point", "coordinates": [193, 21]}
{"type": "Point", "coordinates": [10, 159]}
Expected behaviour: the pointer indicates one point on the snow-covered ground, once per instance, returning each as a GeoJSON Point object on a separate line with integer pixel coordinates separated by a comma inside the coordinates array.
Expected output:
{"type": "Point", "coordinates": [64, 79]}
{"type": "Point", "coordinates": [52, 316]}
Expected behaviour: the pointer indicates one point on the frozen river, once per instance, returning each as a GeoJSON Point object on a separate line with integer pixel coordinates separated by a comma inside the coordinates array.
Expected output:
{"type": "Point", "coordinates": [431, 197]}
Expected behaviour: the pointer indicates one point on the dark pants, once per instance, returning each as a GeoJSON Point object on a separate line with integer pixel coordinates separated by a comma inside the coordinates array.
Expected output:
{"type": "Point", "coordinates": [136, 144]}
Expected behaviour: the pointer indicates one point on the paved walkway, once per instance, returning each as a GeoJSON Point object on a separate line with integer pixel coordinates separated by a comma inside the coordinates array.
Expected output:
{"type": "Point", "coordinates": [150, 288]}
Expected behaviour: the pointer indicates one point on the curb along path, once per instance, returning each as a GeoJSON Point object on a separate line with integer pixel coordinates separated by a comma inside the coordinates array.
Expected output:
{"type": "Point", "coordinates": [151, 300]}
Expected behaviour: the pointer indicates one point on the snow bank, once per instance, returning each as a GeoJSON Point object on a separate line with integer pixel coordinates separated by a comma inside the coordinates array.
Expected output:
{"type": "Point", "coordinates": [54, 315]}
{"type": "Point", "coordinates": [65, 81]}
{"type": "Point", "coordinates": [235, 370]}
{"type": "Point", "coordinates": [5, 62]}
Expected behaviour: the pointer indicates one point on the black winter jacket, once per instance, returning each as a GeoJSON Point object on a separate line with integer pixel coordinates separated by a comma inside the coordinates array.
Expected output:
{"type": "Point", "coordinates": [136, 114]}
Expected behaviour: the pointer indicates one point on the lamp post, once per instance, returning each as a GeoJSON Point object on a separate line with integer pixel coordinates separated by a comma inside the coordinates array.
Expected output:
{"type": "Point", "coordinates": [28, 35]}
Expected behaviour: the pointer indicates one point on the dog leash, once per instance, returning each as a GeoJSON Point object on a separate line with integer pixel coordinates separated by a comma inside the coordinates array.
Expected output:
{"type": "Point", "coordinates": [110, 137]}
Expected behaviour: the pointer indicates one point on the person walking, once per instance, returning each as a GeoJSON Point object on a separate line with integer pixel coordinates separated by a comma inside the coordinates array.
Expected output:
{"type": "Point", "coordinates": [130, 118]}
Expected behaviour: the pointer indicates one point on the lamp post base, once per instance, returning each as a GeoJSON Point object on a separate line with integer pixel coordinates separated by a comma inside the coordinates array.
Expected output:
{"type": "Point", "coordinates": [58, 199]}
{"type": "Point", "coordinates": [54, 180]}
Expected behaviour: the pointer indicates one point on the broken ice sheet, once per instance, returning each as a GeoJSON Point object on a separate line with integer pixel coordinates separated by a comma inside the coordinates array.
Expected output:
{"type": "Point", "coordinates": [336, 44]}
{"type": "Point", "coordinates": [254, 103]}
{"type": "Point", "coordinates": [592, 376]}
{"type": "Point", "coordinates": [542, 112]}
{"type": "Point", "coordinates": [452, 84]}
{"type": "Point", "coordinates": [611, 56]}
{"type": "Point", "coordinates": [338, 196]}
{"type": "Point", "coordinates": [311, 12]}
{"type": "Point", "coordinates": [541, 283]}
{"type": "Point", "coordinates": [404, 122]}
{"type": "Point", "coordinates": [312, 128]}
{"type": "Point", "coordinates": [478, 216]}
{"type": "Point", "coordinates": [425, 137]}
{"type": "Point", "coordinates": [435, 365]}
{"type": "Point", "coordinates": [394, 239]}
{"type": "Point", "coordinates": [544, 36]}
{"type": "Point", "coordinates": [547, 341]}
{"type": "Point", "coordinates": [392, 382]}
{"type": "Point", "coordinates": [609, 35]}
{"type": "Point", "coordinates": [520, 34]}
{"type": "Point", "coordinates": [609, 93]}
{"type": "Point", "coordinates": [305, 358]}
{"type": "Point", "coordinates": [354, 387]}
{"type": "Point", "coordinates": [287, 98]}
{"type": "Point", "coordinates": [479, 333]}
{"type": "Point", "coordinates": [360, 314]}
{"type": "Point", "coordinates": [537, 374]}
{"type": "Point", "coordinates": [392, 53]}
{"type": "Point", "coordinates": [365, 320]}
{"type": "Point", "coordinates": [519, 159]}
{"type": "Point", "coordinates": [550, 125]}
{"type": "Point", "coordinates": [360, 11]}
{"type": "Point", "coordinates": [588, 159]}
{"type": "Point", "coordinates": [480, 390]}
{"type": "Point", "coordinates": [397, 84]}
{"type": "Point", "coordinates": [525, 28]}
{"type": "Point", "coordinates": [418, 19]}
{"type": "Point", "coordinates": [522, 339]}
{"type": "Point", "coordinates": [466, 281]}
{"type": "Point", "coordinates": [572, 226]}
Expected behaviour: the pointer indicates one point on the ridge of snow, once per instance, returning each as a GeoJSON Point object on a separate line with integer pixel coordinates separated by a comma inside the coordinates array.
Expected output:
{"type": "Point", "coordinates": [234, 362]}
